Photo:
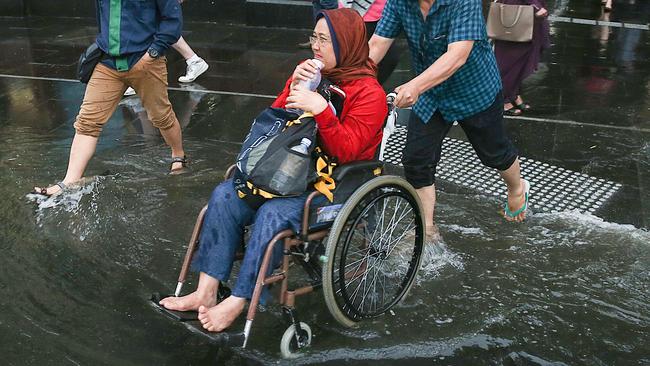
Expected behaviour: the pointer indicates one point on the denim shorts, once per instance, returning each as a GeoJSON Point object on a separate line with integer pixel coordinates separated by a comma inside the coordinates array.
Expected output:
{"type": "Point", "coordinates": [484, 130]}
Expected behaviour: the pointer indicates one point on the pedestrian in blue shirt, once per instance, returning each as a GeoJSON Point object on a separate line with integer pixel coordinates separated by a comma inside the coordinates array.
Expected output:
{"type": "Point", "coordinates": [457, 80]}
{"type": "Point", "coordinates": [134, 36]}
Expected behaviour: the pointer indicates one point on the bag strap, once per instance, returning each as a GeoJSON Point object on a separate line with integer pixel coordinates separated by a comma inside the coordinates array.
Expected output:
{"type": "Point", "coordinates": [325, 184]}
{"type": "Point", "coordinates": [334, 96]}
{"type": "Point", "coordinates": [258, 191]}
{"type": "Point", "coordinates": [519, 10]}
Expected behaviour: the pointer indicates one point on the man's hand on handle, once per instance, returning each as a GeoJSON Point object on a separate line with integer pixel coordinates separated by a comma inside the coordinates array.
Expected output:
{"type": "Point", "coordinates": [407, 94]}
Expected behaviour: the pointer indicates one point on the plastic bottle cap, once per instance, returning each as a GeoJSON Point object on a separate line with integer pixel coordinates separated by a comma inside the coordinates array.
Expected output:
{"type": "Point", "coordinates": [305, 141]}
{"type": "Point", "coordinates": [318, 63]}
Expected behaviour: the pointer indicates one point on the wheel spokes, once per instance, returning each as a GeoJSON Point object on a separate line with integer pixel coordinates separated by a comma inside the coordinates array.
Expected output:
{"type": "Point", "coordinates": [379, 246]}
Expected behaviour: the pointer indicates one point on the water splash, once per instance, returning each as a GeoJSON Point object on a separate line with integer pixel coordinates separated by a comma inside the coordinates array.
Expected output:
{"type": "Point", "coordinates": [463, 230]}
{"type": "Point", "coordinates": [67, 201]}
{"type": "Point", "coordinates": [591, 223]}
{"type": "Point", "coordinates": [71, 202]}
{"type": "Point", "coordinates": [436, 256]}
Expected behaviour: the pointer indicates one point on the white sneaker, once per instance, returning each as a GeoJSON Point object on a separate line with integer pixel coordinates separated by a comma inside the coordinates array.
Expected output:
{"type": "Point", "coordinates": [129, 91]}
{"type": "Point", "coordinates": [194, 70]}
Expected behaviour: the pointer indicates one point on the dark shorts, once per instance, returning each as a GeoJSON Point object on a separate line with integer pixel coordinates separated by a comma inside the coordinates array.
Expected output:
{"type": "Point", "coordinates": [484, 131]}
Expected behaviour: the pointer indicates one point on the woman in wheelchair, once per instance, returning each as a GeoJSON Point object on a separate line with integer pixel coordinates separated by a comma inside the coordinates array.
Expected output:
{"type": "Point", "coordinates": [353, 133]}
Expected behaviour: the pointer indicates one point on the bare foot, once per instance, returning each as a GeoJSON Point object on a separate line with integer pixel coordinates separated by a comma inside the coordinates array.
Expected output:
{"type": "Point", "coordinates": [49, 191]}
{"type": "Point", "coordinates": [516, 201]}
{"type": "Point", "coordinates": [510, 109]}
{"type": "Point", "coordinates": [218, 318]}
{"type": "Point", "coordinates": [179, 165]}
{"type": "Point", "coordinates": [189, 302]}
{"type": "Point", "coordinates": [52, 190]}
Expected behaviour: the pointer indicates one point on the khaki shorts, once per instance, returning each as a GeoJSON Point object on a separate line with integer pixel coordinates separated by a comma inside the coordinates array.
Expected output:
{"type": "Point", "coordinates": [106, 87]}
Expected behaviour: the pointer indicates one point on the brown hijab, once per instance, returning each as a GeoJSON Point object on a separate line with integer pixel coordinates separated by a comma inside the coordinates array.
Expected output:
{"type": "Point", "coordinates": [350, 44]}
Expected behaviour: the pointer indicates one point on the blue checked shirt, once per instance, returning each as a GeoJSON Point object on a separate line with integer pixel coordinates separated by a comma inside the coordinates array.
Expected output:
{"type": "Point", "coordinates": [474, 86]}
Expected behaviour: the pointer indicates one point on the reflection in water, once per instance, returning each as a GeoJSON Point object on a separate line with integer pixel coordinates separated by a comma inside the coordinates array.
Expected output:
{"type": "Point", "coordinates": [602, 32]}
{"type": "Point", "coordinates": [133, 110]}
{"type": "Point", "coordinates": [626, 45]}
{"type": "Point", "coordinates": [626, 55]}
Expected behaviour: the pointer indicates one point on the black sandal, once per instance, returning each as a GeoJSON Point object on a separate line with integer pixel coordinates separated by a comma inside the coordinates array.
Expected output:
{"type": "Point", "coordinates": [178, 159]}
{"type": "Point", "coordinates": [523, 106]}
{"type": "Point", "coordinates": [43, 191]}
{"type": "Point", "coordinates": [512, 111]}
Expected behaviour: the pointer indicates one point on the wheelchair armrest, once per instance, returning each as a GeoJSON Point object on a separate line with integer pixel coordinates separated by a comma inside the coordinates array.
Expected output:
{"type": "Point", "coordinates": [356, 166]}
{"type": "Point", "coordinates": [229, 172]}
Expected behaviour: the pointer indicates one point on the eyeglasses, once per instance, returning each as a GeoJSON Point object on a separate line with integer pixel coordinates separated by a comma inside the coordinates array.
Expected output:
{"type": "Point", "coordinates": [322, 41]}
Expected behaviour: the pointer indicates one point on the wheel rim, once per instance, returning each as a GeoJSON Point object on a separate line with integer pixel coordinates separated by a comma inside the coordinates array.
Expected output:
{"type": "Point", "coordinates": [289, 345]}
{"type": "Point", "coordinates": [378, 253]}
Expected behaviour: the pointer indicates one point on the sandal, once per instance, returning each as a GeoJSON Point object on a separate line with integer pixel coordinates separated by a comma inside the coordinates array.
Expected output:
{"type": "Point", "coordinates": [178, 159]}
{"type": "Point", "coordinates": [523, 107]}
{"type": "Point", "coordinates": [524, 207]}
{"type": "Point", "coordinates": [512, 111]}
{"type": "Point", "coordinates": [43, 191]}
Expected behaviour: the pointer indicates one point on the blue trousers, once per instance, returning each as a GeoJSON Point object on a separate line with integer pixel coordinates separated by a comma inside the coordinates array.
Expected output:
{"type": "Point", "coordinates": [222, 235]}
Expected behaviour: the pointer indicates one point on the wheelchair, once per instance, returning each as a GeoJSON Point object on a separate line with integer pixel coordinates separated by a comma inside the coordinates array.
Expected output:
{"type": "Point", "coordinates": [363, 250]}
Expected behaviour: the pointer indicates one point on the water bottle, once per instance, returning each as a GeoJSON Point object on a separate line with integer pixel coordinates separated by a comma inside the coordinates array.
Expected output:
{"type": "Point", "coordinates": [310, 84]}
{"type": "Point", "coordinates": [290, 168]}
{"type": "Point", "coordinates": [305, 143]}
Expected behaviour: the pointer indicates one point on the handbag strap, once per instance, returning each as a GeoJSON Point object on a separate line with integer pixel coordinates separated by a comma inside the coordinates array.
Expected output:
{"type": "Point", "coordinates": [519, 10]}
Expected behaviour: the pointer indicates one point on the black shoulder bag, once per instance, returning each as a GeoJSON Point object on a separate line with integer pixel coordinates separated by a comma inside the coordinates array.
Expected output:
{"type": "Point", "coordinates": [87, 62]}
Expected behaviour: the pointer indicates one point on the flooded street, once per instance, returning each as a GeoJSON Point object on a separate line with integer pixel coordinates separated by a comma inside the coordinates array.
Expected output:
{"type": "Point", "coordinates": [77, 271]}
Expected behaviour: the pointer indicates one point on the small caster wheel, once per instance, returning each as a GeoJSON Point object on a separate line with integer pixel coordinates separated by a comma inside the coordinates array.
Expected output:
{"type": "Point", "coordinates": [290, 345]}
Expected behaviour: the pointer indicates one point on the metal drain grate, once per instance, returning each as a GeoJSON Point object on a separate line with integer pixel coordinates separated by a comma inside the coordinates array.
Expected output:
{"type": "Point", "coordinates": [552, 188]}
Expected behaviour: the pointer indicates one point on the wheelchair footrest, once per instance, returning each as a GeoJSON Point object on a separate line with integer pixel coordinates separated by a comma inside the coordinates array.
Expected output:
{"type": "Point", "coordinates": [184, 316]}
{"type": "Point", "coordinates": [232, 339]}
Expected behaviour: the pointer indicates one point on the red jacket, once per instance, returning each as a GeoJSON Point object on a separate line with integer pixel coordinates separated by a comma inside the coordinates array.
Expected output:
{"type": "Point", "coordinates": [356, 134]}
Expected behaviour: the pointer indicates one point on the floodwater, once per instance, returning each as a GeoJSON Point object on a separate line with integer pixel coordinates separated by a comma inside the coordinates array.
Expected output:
{"type": "Point", "coordinates": [562, 288]}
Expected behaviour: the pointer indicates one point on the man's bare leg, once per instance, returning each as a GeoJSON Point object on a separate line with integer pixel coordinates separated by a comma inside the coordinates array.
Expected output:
{"type": "Point", "coordinates": [205, 295]}
{"type": "Point", "coordinates": [173, 138]}
{"type": "Point", "coordinates": [516, 192]}
{"type": "Point", "coordinates": [81, 151]}
{"type": "Point", "coordinates": [196, 66]}
{"type": "Point", "coordinates": [220, 317]}
{"type": "Point", "coordinates": [428, 198]}
{"type": "Point", "coordinates": [183, 48]}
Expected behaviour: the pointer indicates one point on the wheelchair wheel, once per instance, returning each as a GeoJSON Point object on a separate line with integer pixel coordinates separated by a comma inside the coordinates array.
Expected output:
{"type": "Point", "coordinates": [373, 250]}
{"type": "Point", "coordinates": [292, 344]}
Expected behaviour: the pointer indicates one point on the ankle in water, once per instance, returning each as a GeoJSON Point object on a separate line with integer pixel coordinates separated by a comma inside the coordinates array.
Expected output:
{"type": "Point", "coordinates": [432, 235]}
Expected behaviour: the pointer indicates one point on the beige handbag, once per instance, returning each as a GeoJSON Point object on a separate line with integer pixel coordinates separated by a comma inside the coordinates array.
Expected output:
{"type": "Point", "coordinates": [512, 23]}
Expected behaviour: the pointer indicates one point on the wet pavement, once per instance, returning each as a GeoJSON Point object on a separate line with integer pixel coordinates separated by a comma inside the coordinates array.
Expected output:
{"type": "Point", "coordinates": [564, 288]}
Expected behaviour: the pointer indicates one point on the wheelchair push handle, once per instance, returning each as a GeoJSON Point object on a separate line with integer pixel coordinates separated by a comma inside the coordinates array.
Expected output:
{"type": "Point", "coordinates": [390, 100]}
{"type": "Point", "coordinates": [389, 124]}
